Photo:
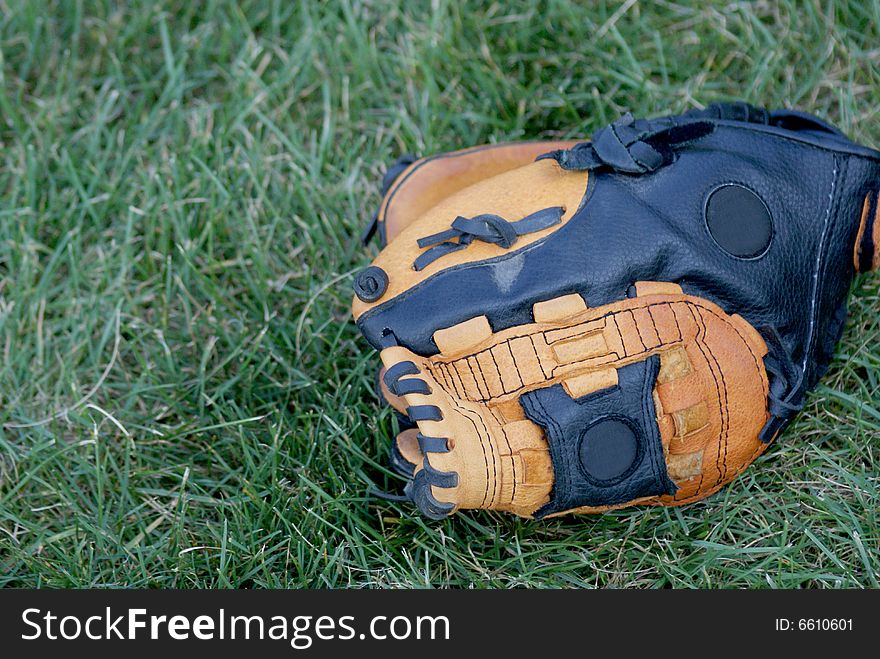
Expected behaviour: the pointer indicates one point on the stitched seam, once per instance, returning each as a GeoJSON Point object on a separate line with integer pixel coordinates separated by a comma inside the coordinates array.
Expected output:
{"type": "Point", "coordinates": [550, 421]}
{"type": "Point", "coordinates": [714, 379]}
{"type": "Point", "coordinates": [436, 372]}
{"type": "Point", "coordinates": [457, 373]}
{"type": "Point", "coordinates": [469, 370]}
{"type": "Point", "coordinates": [638, 331]}
{"type": "Point", "coordinates": [820, 263]}
{"type": "Point", "coordinates": [512, 463]}
{"type": "Point", "coordinates": [648, 419]}
{"type": "Point", "coordinates": [537, 358]}
{"type": "Point", "coordinates": [515, 367]}
{"type": "Point", "coordinates": [654, 326]}
{"type": "Point", "coordinates": [648, 306]}
{"type": "Point", "coordinates": [497, 370]}
{"type": "Point", "coordinates": [748, 346]}
{"type": "Point", "coordinates": [464, 413]}
{"type": "Point", "coordinates": [725, 417]}
{"type": "Point", "coordinates": [467, 360]}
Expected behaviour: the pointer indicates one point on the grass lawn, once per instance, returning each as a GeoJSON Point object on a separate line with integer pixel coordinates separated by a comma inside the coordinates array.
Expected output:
{"type": "Point", "coordinates": [183, 398]}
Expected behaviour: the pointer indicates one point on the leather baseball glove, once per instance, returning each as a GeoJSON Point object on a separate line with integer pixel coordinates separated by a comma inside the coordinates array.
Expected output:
{"type": "Point", "coordinates": [575, 327]}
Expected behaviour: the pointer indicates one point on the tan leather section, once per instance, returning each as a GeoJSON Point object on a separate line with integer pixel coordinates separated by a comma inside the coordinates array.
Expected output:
{"type": "Point", "coordinates": [710, 396]}
{"type": "Point", "coordinates": [688, 422]}
{"type": "Point", "coordinates": [675, 365]}
{"type": "Point", "coordinates": [591, 382]}
{"type": "Point", "coordinates": [656, 288]}
{"type": "Point", "coordinates": [684, 467]}
{"type": "Point", "coordinates": [408, 445]}
{"type": "Point", "coordinates": [868, 222]}
{"type": "Point", "coordinates": [876, 238]}
{"type": "Point", "coordinates": [505, 466]}
{"type": "Point", "coordinates": [860, 235]}
{"type": "Point", "coordinates": [558, 308]}
{"type": "Point", "coordinates": [427, 181]}
{"type": "Point", "coordinates": [680, 394]}
{"type": "Point", "coordinates": [393, 400]}
{"type": "Point", "coordinates": [461, 337]}
{"type": "Point", "coordinates": [512, 195]}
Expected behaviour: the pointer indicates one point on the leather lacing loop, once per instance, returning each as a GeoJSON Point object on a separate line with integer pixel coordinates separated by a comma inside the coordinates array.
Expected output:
{"type": "Point", "coordinates": [433, 444]}
{"type": "Point", "coordinates": [786, 395]}
{"type": "Point", "coordinates": [439, 478]}
{"type": "Point", "coordinates": [418, 489]}
{"type": "Point", "coordinates": [419, 492]}
{"type": "Point", "coordinates": [393, 374]}
{"type": "Point", "coordinates": [488, 228]}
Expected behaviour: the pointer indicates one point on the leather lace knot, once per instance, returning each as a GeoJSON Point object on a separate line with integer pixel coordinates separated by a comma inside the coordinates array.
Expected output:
{"type": "Point", "coordinates": [633, 146]}
{"type": "Point", "coordinates": [487, 228]}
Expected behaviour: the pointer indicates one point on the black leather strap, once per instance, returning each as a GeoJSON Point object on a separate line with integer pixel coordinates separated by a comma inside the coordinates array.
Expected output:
{"type": "Point", "coordinates": [606, 446]}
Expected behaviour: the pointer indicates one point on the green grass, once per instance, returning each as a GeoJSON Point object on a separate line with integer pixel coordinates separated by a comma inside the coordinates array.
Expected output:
{"type": "Point", "coordinates": [183, 399]}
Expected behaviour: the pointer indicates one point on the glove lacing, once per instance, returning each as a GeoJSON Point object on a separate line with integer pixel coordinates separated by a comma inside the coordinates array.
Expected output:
{"type": "Point", "coordinates": [488, 228]}
{"type": "Point", "coordinates": [787, 392]}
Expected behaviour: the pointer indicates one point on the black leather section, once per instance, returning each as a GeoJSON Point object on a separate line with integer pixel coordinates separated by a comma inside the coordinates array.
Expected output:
{"type": "Point", "coordinates": [651, 227]}
{"type": "Point", "coordinates": [606, 446]}
{"type": "Point", "coordinates": [801, 121]}
{"type": "Point", "coordinates": [739, 221]}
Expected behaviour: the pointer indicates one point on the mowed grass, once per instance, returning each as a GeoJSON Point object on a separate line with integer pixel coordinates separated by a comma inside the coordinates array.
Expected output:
{"type": "Point", "coordinates": [184, 401]}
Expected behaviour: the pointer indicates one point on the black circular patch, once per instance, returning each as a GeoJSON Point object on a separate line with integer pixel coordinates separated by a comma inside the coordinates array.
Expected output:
{"type": "Point", "coordinates": [608, 451]}
{"type": "Point", "coordinates": [739, 221]}
{"type": "Point", "coordinates": [370, 284]}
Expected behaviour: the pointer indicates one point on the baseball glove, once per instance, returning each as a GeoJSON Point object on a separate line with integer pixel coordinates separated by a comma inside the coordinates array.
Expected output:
{"type": "Point", "coordinates": [575, 327]}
